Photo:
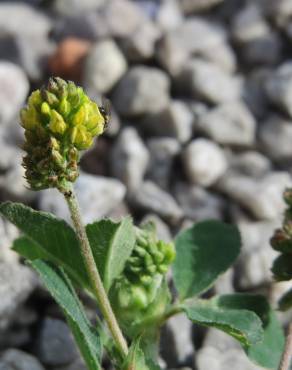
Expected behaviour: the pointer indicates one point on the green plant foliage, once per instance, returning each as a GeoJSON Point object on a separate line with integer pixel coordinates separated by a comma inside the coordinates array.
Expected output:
{"type": "Point", "coordinates": [248, 318]}
{"type": "Point", "coordinates": [282, 267]}
{"type": "Point", "coordinates": [153, 366]}
{"type": "Point", "coordinates": [204, 251]}
{"type": "Point", "coordinates": [135, 358]}
{"type": "Point", "coordinates": [112, 244]}
{"type": "Point", "coordinates": [286, 301]}
{"type": "Point", "coordinates": [30, 250]}
{"type": "Point", "coordinates": [268, 352]}
{"type": "Point", "coordinates": [242, 324]}
{"type": "Point", "coordinates": [50, 238]}
{"type": "Point", "coordinates": [140, 294]}
{"type": "Point", "coordinates": [281, 241]}
{"type": "Point", "coordinates": [60, 287]}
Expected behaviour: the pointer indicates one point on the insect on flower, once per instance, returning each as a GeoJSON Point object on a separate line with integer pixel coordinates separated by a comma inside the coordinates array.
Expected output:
{"type": "Point", "coordinates": [105, 110]}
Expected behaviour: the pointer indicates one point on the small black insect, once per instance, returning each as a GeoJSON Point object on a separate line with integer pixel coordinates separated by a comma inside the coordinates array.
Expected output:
{"type": "Point", "coordinates": [68, 194]}
{"type": "Point", "coordinates": [105, 110]}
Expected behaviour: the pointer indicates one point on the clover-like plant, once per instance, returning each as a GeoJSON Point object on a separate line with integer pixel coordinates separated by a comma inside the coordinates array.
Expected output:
{"type": "Point", "coordinates": [282, 270]}
{"type": "Point", "coordinates": [121, 266]}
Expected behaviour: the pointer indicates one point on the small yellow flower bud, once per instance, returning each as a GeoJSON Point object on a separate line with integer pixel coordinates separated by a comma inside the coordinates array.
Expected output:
{"type": "Point", "coordinates": [59, 121]}
{"type": "Point", "coordinates": [45, 108]}
{"type": "Point", "coordinates": [79, 117]}
{"type": "Point", "coordinates": [64, 107]}
{"type": "Point", "coordinates": [57, 124]}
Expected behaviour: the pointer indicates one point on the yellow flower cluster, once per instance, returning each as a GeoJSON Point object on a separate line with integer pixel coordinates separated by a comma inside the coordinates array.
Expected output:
{"type": "Point", "coordinates": [59, 121]}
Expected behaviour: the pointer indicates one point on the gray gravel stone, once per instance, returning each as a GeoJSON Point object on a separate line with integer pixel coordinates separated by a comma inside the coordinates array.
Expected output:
{"type": "Point", "coordinates": [208, 34]}
{"type": "Point", "coordinates": [19, 360]}
{"type": "Point", "coordinates": [14, 14]}
{"type": "Point", "coordinates": [289, 30]}
{"type": "Point", "coordinates": [229, 124]}
{"type": "Point", "coordinates": [177, 46]}
{"type": "Point", "coordinates": [69, 8]}
{"type": "Point", "coordinates": [4, 366]}
{"type": "Point", "coordinates": [18, 50]}
{"type": "Point", "coordinates": [251, 163]}
{"type": "Point", "coordinates": [130, 158]}
{"type": "Point", "coordinates": [150, 198]}
{"type": "Point", "coordinates": [55, 344]}
{"type": "Point", "coordinates": [98, 197]}
{"type": "Point", "coordinates": [120, 18]}
{"type": "Point", "coordinates": [264, 50]}
{"type": "Point", "coordinates": [140, 45]}
{"type": "Point", "coordinates": [13, 90]}
{"type": "Point", "coordinates": [104, 66]}
{"type": "Point", "coordinates": [209, 82]}
{"type": "Point", "coordinates": [279, 87]}
{"type": "Point", "coordinates": [257, 256]}
{"type": "Point", "coordinates": [194, 6]}
{"type": "Point", "coordinates": [142, 90]}
{"type": "Point", "coordinates": [262, 197]}
{"type": "Point", "coordinates": [249, 24]}
{"type": "Point", "coordinates": [76, 365]}
{"type": "Point", "coordinates": [84, 25]}
{"type": "Point", "coordinates": [162, 154]}
{"type": "Point", "coordinates": [16, 284]}
{"type": "Point", "coordinates": [254, 92]}
{"type": "Point", "coordinates": [15, 336]}
{"type": "Point", "coordinates": [197, 203]}
{"type": "Point", "coordinates": [212, 358]}
{"type": "Point", "coordinates": [169, 16]}
{"type": "Point", "coordinates": [13, 184]}
{"type": "Point", "coordinates": [176, 341]}
{"type": "Point", "coordinates": [221, 55]}
{"type": "Point", "coordinates": [27, 45]}
{"type": "Point", "coordinates": [176, 120]}
{"type": "Point", "coordinates": [224, 283]}
{"type": "Point", "coordinates": [275, 136]}
{"type": "Point", "coordinates": [8, 232]}
{"type": "Point", "coordinates": [218, 339]}
{"type": "Point", "coordinates": [280, 11]}
{"type": "Point", "coordinates": [204, 162]}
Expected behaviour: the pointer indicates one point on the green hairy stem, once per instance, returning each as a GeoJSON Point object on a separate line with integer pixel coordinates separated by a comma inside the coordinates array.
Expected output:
{"type": "Point", "coordinates": [93, 273]}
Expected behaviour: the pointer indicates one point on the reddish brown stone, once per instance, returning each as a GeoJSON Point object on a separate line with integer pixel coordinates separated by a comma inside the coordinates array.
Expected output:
{"type": "Point", "coordinates": [67, 61]}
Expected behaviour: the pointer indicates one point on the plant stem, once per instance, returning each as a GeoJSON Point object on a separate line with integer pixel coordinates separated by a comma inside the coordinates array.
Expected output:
{"type": "Point", "coordinates": [172, 311]}
{"type": "Point", "coordinates": [287, 354]}
{"type": "Point", "coordinates": [94, 276]}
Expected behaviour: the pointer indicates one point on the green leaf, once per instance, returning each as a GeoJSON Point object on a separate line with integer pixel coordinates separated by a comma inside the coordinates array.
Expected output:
{"type": "Point", "coordinates": [111, 244]}
{"type": "Point", "coordinates": [48, 237]}
{"type": "Point", "coordinates": [152, 365]}
{"type": "Point", "coordinates": [28, 249]}
{"type": "Point", "coordinates": [135, 359]}
{"type": "Point", "coordinates": [60, 287]}
{"type": "Point", "coordinates": [268, 352]}
{"type": "Point", "coordinates": [204, 251]}
{"type": "Point", "coordinates": [286, 301]}
{"type": "Point", "coordinates": [282, 267]}
{"type": "Point", "coordinates": [224, 314]}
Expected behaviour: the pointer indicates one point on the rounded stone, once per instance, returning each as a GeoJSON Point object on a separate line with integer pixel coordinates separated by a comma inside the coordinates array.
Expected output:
{"type": "Point", "coordinates": [13, 90]}
{"type": "Point", "coordinates": [204, 162]}
{"type": "Point", "coordinates": [104, 66]}
{"type": "Point", "coordinates": [142, 90]}
{"type": "Point", "coordinates": [55, 345]}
